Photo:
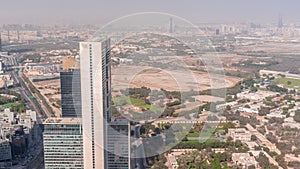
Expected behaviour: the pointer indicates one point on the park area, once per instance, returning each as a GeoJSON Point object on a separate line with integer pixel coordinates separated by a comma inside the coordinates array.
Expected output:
{"type": "Point", "coordinates": [138, 102]}
{"type": "Point", "coordinates": [288, 82]}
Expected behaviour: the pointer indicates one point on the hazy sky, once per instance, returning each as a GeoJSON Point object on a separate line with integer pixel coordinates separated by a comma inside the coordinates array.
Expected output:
{"type": "Point", "coordinates": [100, 12]}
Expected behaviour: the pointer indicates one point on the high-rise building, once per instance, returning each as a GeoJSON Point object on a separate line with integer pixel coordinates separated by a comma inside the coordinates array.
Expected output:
{"type": "Point", "coordinates": [63, 143]}
{"type": "Point", "coordinates": [171, 28]}
{"type": "Point", "coordinates": [18, 35]}
{"type": "Point", "coordinates": [69, 63]}
{"type": "Point", "coordinates": [8, 35]}
{"type": "Point", "coordinates": [0, 43]}
{"type": "Point", "coordinates": [280, 22]}
{"type": "Point", "coordinates": [70, 93]}
{"type": "Point", "coordinates": [118, 144]}
{"type": "Point", "coordinates": [104, 143]}
{"type": "Point", "coordinates": [217, 32]}
{"type": "Point", "coordinates": [96, 101]}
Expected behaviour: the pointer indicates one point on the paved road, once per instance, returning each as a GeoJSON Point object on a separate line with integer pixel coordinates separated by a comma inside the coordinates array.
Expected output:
{"type": "Point", "coordinates": [25, 92]}
{"type": "Point", "coordinates": [34, 105]}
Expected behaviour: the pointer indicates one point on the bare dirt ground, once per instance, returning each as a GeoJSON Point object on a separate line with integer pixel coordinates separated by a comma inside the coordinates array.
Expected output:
{"type": "Point", "coordinates": [50, 90]}
{"type": "Point", "coordinates": [273, 47]}
{"type": "Point", "coordinates": [173, 80]}
{"type": "Point", "coordinates": [189, 106]}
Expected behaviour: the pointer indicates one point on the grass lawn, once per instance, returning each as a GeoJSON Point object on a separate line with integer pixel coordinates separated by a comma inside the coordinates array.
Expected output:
{"type": "Point", "coordinates": [15, 107]}
{"type": "Point", "coordinates": [193, 135]}
{"type": "Point", "coordinates": [130, 101]}
{"type": "Point", "coordinates": [208, 133]}
{"type": "Point", "coordinates": [9, 105]}
{"type": "Point", "coordinates": [286, 84]}
{"type": "Point", "coordinates": [126, 101]}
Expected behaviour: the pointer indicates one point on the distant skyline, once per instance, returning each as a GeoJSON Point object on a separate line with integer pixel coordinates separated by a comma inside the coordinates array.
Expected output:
{"type": "Point", "coordinates": [100, 12]}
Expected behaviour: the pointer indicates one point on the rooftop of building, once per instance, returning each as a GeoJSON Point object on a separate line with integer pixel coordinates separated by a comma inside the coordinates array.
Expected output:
{"type": "Point", "coordinates": [243, 158]}
{"type": "Point", "coordinates": [4, 141]}
{"type": "Point", "coordinates": [63, 121]}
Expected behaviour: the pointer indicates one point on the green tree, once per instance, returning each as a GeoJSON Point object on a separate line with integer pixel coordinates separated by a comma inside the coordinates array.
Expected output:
{"type": "Point", "coordinates": [297, 116]}
{"type": "Point", "coordinates": [253, 138]}
{"type": "Point", "coordinates": [263, 160]}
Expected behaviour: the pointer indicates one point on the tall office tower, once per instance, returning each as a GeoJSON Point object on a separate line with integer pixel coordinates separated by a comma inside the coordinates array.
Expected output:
{"type": "Point", "coordinates": [0, 43]}
{"type": "Point", "coordinates": [69, 63]}
{"type": "Point", "coordinates": [8, 36]}
{"type": "Point", "coordinates": [280, 22]}
{"type": "Point", "coordinates": [1, 66]}
{"type": "Point", "coordinates": [63, 143]}
{"type": "Point", "coordinates": [217, 32]}
{"type": "Point", "coordinates": [96, 101]}
{"type": "Point", "coordinates": [171, 29]}
{"type": "Point", "coordinates": [118, 144]}
{"type": "Point", "coordinates": [70, 93]}
{"type": "Point", "coordinates": [224, 29]}
{"type": "Point", "coordinates": [18, 35]}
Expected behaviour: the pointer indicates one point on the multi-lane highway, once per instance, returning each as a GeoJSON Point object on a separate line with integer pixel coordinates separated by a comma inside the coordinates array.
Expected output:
{"type": "Point", "coordinates": [34, 156]}
{"type": "Point", "coordinates": [25, 92]}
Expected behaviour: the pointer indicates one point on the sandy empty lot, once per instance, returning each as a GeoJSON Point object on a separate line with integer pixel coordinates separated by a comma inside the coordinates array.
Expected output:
{"type": "Point", "coordinates": [173, 80]}
{"type": "Point", "coordinates": [49, 89]}
{"type": "Point", "coordinates": [273, 47]}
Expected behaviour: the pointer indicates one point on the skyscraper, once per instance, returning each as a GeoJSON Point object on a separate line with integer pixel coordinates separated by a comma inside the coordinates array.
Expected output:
{"type": "Point", "coordinates": [8, 35]}
{"type": "Point", "coordinates": [171, 28]}
{"type": "Point", "coordinates": [63, 143]}
{"type": "Point", "coordinates": [70, 87]}
{"type": "Point", "coordinates": [217, 32]}
{"type": "Point", "coordinates": [280, 22]}
{"type": "Point", "coordinates": [96, 101]}
{"type": "Point", "coordinates": [70, 93]}
{"type": "Point", "coordinates": [0, 43]}
{"type": "Point", "coordinates": [118, 144]}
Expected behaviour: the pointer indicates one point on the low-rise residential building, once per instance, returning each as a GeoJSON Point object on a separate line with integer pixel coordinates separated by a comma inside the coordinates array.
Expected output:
{"type": "Point", "coordinates": [21, 131]}
{"type": "Point", "coordinates": [239, 134]}
{"type": "Point", "coordinates": [262, 139]}
{"type": "Point", "coordinates": [251, 145]}
{"type": "Point", "coordinates": [172, 157]}
{"type": "Point", "coordinates": [172, 161]}
{"type": "Point", "coordinates": [271, 159]}
{"type": "Point", "coordinates": [248, 110]}
{"type": "Point", "coordinates": [257, 96]}
{"type": "Point", "coordinates": [277, 113]}
{"type": "Point", "coordinates": [223, 106]}
{"type": "Point", "coordinates": [218, 150]}
{"type": "Point", "coordinates": [294, 125]}
{"type": "Point", "coordinates": [244, 159]}
{"type": "Point", "coordinates": [7, 116]}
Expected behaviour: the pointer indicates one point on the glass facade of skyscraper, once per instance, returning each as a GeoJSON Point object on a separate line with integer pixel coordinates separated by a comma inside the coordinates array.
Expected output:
{"type": "Point", "coordinates": [70, 93]}
{"type": "Point", "coordinates": [118, 144]}
{"type": "Point", "coordinates": [63, 144]}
